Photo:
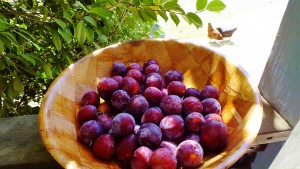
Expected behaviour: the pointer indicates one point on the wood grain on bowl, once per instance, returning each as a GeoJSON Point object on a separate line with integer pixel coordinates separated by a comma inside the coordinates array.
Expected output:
{"type": "Point", "coordinates": [239, 97]}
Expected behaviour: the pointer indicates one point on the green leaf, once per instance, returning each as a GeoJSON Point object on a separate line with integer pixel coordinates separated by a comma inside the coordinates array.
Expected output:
{"type": "Point", "coordinates": [201, 4]}
{"type": "Point", "coordinates": [18, 85]}
{"type": "Point", "coordinates": [186, 19]}
{"type": "Point", "coordinates": [11, 38]}
{"type": "Point", "coordinates": [61, 23]}
{"type": "Point", "coordinates": [96, 45]}
{"type": "Point", "coordinates": [68, 17]}
{"type": "Point", "coordinates": [66, 34]}
{"type": "Point", "coordinates": [89, 34]}
{"type": "Point", "coordinates": [102, 38]}
{"type": "Point", "coordinates": [1, 48]}
{"type": "Point", "coordinates": [215, 6]}
{"type": "Point", "coordinates": [151, 14]}
{"type": "Point", "coordinates": [100, 12]}
{"type": "Point", "coordinates": [4, 25]}
{"type": "Point", "coordinates": [22, 35]}
{"type": "Point", "coordinates": [10, 92]}
{"type": "Point", "coordinates": [137, 2]}
{"type": "Point", "coordinates": [48, 70]}
{"type": "Point", "coordinates": [80, 33]}
{"type": "Point", "coordinates": [140, 13]}
{"type": "Point", "coordinates": [68, 59]}
{"type": "Point", "coordinates": [195, 19]}
{"type": "Point", "coordinates": [163, 14]}
{"type": "Point", "coordinates": [2, 65]}
{"type": "Point", "coordinates": [175, 18]}
{"type": "Point", "coordinates": [169, 4]}
{"type": "Point", "coordinates": [56, 39]}
{"type": "Point", "coordinates": [3, 85]}
{"type": "Point", "coordinates": [29, 57]}
{"type": "Point", "coordinates": [90, 20]}
{"type": "Point", "coordinates": [148, 2]}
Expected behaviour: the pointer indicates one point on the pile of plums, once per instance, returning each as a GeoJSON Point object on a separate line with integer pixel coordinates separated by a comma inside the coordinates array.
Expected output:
{"type": "Point", "coordinates": [147, 119]}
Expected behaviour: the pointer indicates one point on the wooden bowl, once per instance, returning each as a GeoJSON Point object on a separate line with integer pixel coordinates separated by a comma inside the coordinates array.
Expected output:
{"type": "Point", "coordinates": [239, 97]}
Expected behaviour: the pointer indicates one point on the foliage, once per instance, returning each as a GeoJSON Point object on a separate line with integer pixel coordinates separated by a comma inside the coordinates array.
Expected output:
{"type": "Point", "coordinates": [40, 38]}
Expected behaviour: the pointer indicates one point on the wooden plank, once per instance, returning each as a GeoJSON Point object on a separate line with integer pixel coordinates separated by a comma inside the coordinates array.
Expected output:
{"type": "Point", "coordinates": [20, 142]}
{"type": "Point", "coordinates": [280, 80]}
{"type": "Point", "coordinates": [288, 156]}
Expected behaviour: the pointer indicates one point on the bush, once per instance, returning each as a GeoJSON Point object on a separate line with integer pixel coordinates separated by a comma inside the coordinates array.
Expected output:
{"type": "Point", "coordinates": [40, 38]}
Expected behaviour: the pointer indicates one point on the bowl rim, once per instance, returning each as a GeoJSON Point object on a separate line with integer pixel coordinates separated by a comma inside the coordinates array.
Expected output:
{"type": "Point", "coordinates": [228, 160]}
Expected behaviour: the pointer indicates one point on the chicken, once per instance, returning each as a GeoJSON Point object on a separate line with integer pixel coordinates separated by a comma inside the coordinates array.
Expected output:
{"type": "Point", "coordinates": [219, 33]}
{"type": "Point", "coordinates": [213, 33]}
{"type": "Point", "coordinates": [226, 32]}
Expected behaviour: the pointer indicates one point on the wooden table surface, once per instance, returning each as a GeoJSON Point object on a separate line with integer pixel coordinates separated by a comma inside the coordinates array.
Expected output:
{"type": "Point", "coordinates": [21, 145]}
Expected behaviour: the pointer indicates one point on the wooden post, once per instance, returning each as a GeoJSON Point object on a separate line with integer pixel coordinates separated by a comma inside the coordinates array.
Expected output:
{"type": "Point", "coordinates": [280, 82]}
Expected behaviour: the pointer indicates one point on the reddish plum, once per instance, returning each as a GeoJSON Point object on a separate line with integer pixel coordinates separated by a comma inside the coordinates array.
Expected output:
{"type": "Point", "coordinates": [209, 91]}
{"type": "Point", "coordinates": [163, 158]}
{"type": "Point", "coordinates": [213, 116]}
{"type": "Point", "coordinates": [172, 127]}
{"type": "Point", "coordinates": [125, 148]}
{"type": "Point", "coordinates": [130, 85]}
{"type": "Point", "coordinates": [118, 68]}
{"type": "Point", "coordinates": [136, 74]}
{"type": "Point", "coordinates": [105, 121]}
{"type": "Point", "coordinates": [134, 65]}
{"type": "Point", "coordinates": [123, 124]}
{"type": "Point", "coordinates": [104, 147]}
{"type": "Point", "coordinates": [149, 135]}
{"type": "Point", "coordinates": [119, 99]}
{"type": "Point", "coordinates": [153, 80]}
{"type": "Point", "coordinates": [192, 92]}
{"type": "Point", "coordinates": [141, 158]}
{"type": "Point", "coordinates": [153, 68]}
{"type": "Point", "coordinates": [152, 115]}
{"type": "Point", "coordinates": [153, 95]}
{"type": "Point", "coordinates": [106, 87]}
{"type": "Point", "coordinates": [171, 104]}
{"type": "Point", "coordinates": [191, 104]}
{"type": "Point", "coordinates": [214, 135]}
{"type": "Point", "coordinates": [211, 105]}
{"type": "Point", "coordinates": [176, 88]}
{"type": "Point", "coordinates": [149, 62]}
{"type": "Point", "coordinates": [90, 98]}
{"type": "Point", "coordinates": [193, 122]}
{"type": "Point", "coordinates": [89, 131]}
{"type": "Point", "coordinates": [173, 75]}
{"type": "Point", "coordinates": [192, 136]}
{"type": "Point", "coordinates": [189, 153]}
{"type": "Point", "coordinates": [137, 106]}
{"type": "Point", "coordinates": [86, 113]}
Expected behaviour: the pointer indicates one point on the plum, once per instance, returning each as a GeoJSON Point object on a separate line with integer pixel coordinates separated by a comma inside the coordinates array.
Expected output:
{"type": "Point", "coordinates": [173, 75]}
{"type": "Point", "coordinates": [106, 87]}
{"type": "Point", "coordinates": [171, 104]}
{"type": "Point", "coordinates": [141, 158]}
{"type": "Point", "coordinates": [119, 99]}
{"type": "Point", "coordinates": [192, 92]}
{"type": "Point", "coordinates": [189, 153]}
{"type": "Point", "coordinates": [153, 80]}
{"type": "Point", "coordinates": [123, 124]}
{"type": "Point", "coordinates": [163, 158]}
{"type": "Point", "coordinates": [191, 104]}
{"type": "Point", "coordinates": [153, 68]}
{"type": "Point", "coordinates": [152, 115]}
{"type": "Point", "coordinates": [86, 113]}
{"type": "Point", "coordinates": [136, 74]}
{"type": "Point", "coordinates": [137, 106]}
{"type": "Point", "coordinates": [211, 105]}
{"type": "Point", "coordinates": [135, 65]}
{"type": "Point", "coordinates": [118, 78]}
{"type": "Point", "coordinates": [213, 116]}
{"type": "Point", "coordinates": [214, 135]}
{"type": "Point", "coordinates": [176, 88]}
{"type": "Point", "coordinates": [104, 147]}
{"type": "Point", "coordinates": [209, 91]}
{"type": "Point", "coordinates": [105, 120]}
{"type": "Point", "coordinates": [149, 62]}
{"type": "Point", "coordinates": [192, 136]}
{"type": "Point", "coordinates": [89, 131]}
{"type": "Point", "coordinates": [90, 98]}
{"type": "Point", "coordinates": [169, 145]}
{"type": "Point", "coordinates": [125, 148]}
{"type": "Point", "coordinates": [193, 122]}
{"type": "Point", "coordinates": [130, 85]}
{"type": "Point", "coordinates": [153, 95]}
{"type": "Point", "coordinates": [118, 68]}
{"type": "Point", "coordinates": [172, 127]}
{"type": "Point", "coordinates": [149, 135]}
